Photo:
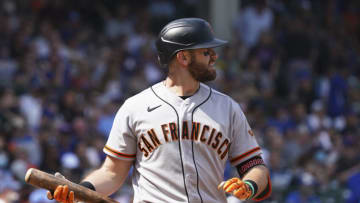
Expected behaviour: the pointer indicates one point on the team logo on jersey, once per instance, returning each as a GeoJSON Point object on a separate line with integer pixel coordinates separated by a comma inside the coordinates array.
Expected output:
{"type": "Point", "coordinates": [153, 108]}
{"type": "Point", "coordinates": [195, 131]}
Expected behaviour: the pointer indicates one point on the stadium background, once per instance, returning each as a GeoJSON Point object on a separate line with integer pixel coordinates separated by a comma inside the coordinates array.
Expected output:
{"type": "Point", "coordinates": [66, 66]}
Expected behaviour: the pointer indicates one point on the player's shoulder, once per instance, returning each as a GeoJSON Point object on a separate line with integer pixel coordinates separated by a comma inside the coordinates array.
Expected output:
{"type": "Point", "coordinates": [224, 99]}
{"type": "Point", "coordinates": [216, 94]}
{"type": "Point", "coordinates": [143, 97]}
{"type": "Point", "coordinates": [139, 97]}
{"type": "Point", "coordinates": [220, 95]}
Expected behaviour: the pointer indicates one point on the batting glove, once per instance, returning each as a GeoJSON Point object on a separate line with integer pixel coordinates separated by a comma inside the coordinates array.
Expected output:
{"type": "Point", "coordinates": [61, 193]}
{"type": "Point", "coordinates": [237, 187]}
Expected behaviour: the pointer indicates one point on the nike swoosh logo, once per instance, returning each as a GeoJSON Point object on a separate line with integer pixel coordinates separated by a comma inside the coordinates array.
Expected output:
{"type": "Point", "coordinates": [153, 108]}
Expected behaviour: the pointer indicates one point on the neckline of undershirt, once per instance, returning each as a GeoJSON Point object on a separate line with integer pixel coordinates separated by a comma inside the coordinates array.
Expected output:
{"type": "Point", "coordinates": [187, 96]}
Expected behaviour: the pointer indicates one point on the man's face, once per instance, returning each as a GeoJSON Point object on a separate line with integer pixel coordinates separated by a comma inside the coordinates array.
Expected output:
{"type": "Point", "coordinates": [202, 64]}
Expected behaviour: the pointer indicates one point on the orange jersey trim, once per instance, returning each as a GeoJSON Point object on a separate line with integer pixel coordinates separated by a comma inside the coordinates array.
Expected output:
{"type": "Point", "coordinates": [242, 156]}
{"type": "Point", "coordinates": [119, 154]}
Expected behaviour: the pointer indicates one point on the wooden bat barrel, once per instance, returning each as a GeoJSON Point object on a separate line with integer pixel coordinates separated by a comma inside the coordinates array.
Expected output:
{"type": "Point", "coordinates": [48, 181]}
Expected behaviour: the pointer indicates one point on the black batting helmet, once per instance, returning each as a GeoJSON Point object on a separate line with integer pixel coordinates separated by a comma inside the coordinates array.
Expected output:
{"type": "Point", "coordinates": [182, 34]}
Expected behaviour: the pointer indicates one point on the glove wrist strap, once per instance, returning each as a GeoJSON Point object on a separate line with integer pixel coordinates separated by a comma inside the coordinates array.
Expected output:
{"type": "Point", "coordinates": [253, 187]}
{"type": "Point", "coordinates": [87, 184]}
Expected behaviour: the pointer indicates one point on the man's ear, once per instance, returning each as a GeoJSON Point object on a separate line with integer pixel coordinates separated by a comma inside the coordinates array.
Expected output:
{"type": "Point", "coordinates": [183, 58]}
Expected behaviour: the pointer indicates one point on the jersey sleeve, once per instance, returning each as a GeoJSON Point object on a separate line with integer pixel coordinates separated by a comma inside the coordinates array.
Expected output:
{"type": "Point", "coordinates": [244, 145]}
{"type": "Point", "coordinates": [121, 143]}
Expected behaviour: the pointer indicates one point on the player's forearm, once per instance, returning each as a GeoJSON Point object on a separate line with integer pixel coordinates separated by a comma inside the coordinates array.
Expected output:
{"type": "Point", "coordinates": [110, 176]}
{"type": "Point", "coordinates": [259, 174]}
{"type": "Point", "coordinates": [104, 181]}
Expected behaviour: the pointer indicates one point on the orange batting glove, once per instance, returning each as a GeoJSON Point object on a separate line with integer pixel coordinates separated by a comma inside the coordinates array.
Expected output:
{"type": "Point", "coordinates": [236, 187]}
{"type": "Point", "coordinates": [62, 194]}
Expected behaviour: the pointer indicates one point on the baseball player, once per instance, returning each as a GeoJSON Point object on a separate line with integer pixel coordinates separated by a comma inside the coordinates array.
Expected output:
{"type": "Point", "coordinates": [179, 134]}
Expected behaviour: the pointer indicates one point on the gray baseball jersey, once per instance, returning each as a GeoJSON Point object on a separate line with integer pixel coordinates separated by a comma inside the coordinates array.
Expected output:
{"type": "Point", "coordinates": [180, 147]}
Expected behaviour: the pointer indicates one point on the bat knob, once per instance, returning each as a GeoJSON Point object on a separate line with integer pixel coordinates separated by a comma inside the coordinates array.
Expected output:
{"type": "Point", "coordinates": [28, 174]}
{"type": "Point", "coordinates": [221, 185]}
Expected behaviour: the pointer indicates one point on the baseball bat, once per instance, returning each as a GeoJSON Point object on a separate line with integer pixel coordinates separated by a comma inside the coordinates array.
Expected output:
{"type": "Point", "coordinates": [48, 181]}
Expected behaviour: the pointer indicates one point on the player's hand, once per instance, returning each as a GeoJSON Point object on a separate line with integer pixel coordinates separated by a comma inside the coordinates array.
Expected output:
{"type": "Point", "coordinates": [236, 187]}
{"type": "Point", "coordinates": [61, 193]}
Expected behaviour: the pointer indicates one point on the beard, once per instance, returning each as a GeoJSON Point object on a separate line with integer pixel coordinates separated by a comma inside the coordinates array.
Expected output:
{"type": "Point", "coordinates": [201, 72]}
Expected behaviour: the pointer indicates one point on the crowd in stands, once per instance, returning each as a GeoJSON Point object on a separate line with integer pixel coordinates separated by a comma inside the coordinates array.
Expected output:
{"type": "Point", "coordinates": [293, 66]}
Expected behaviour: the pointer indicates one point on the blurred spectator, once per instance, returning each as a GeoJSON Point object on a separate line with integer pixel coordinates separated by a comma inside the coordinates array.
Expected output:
{"type": "Point", "coordinates": [119, 23]}
{"type": "Point", "coordinates": [31, 106]}
{"type": "Point", "coordinates": [318, 119]}
{"type": "Point", "coordinates": [8, 67]}
{"type": "Point", "coordinates": [353, 184]}
{"type": "Point", "coordinates": [252, 21]}
{"type": "Point", "coordinates": [105, 121]}
{"type": "Point", "coordinates": [305, 192]}
{"type": "Point", "coordinates": [337, 103]}
{"type": "Point", "coordinates": [39, 196]}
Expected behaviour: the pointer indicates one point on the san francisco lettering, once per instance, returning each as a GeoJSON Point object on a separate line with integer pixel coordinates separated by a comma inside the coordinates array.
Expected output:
{"type": "Point", "coordinates": [194, 131]}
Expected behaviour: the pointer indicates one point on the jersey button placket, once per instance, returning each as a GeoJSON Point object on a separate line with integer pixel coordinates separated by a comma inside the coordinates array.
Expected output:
{"type": "Point", "coordinates": [190, 172]}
